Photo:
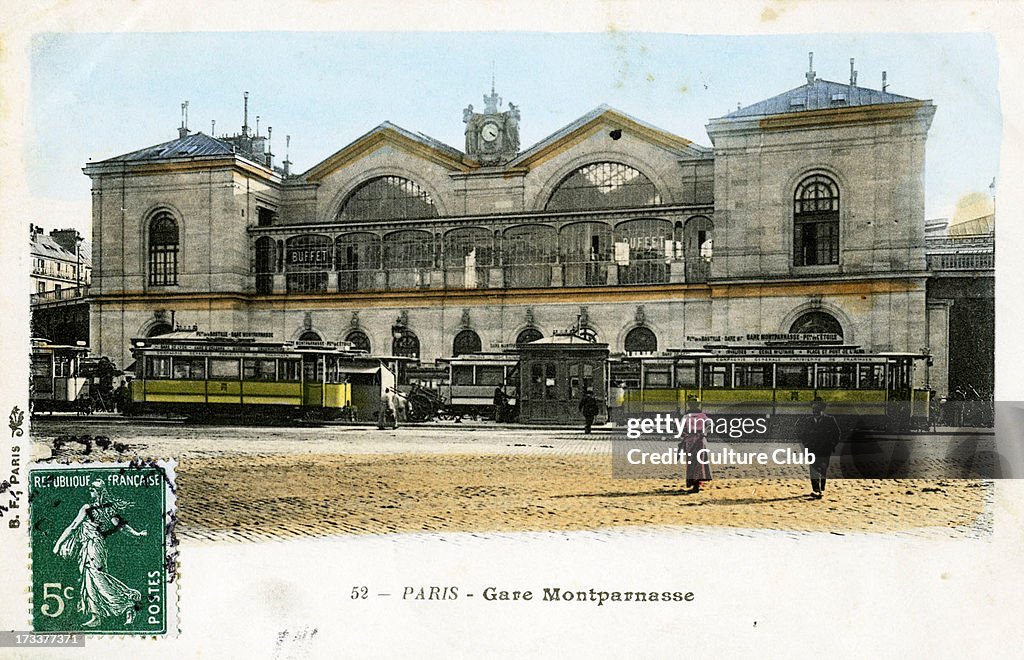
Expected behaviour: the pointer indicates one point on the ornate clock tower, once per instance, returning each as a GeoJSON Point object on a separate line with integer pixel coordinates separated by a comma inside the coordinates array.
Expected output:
{"type": "Point", "coordinates": [492, 136]}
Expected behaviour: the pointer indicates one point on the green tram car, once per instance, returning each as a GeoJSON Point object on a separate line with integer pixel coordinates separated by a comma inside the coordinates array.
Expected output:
{"type": "Point", "coordinates": [199, 376]}
{"type": "Point", "coordinates": [865, 390]}
{"type": "Point", "coordinates": [58, 381]}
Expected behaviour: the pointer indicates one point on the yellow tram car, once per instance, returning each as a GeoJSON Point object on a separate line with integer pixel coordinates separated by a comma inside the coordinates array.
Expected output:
{"type": "Point", "coordinates": [197, 375]}
{"type": "Point", "coordinates": [869, 390]}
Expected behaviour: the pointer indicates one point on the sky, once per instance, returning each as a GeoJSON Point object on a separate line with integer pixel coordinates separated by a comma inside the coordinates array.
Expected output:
{"type": "Point", "coordinates": [94, 96]}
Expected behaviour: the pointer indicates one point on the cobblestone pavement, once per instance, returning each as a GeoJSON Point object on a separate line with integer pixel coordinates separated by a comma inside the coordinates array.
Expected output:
{"type": "Point", "coordinates": [259, 483]}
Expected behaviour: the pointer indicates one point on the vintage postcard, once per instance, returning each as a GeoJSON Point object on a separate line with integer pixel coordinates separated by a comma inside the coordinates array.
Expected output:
{"type": "Point", "coordinates": [461, 328]}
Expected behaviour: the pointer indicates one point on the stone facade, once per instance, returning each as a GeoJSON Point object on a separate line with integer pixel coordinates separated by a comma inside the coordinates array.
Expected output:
{"type": "Point", "coordinates": [609, 222]}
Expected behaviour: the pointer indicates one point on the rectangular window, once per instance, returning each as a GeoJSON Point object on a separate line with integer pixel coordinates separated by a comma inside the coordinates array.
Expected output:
{"type": "Point", "coordinates": [686, 374]}
{"type": "Point", "coordinates": [659, 376]}
{"type": "Point", "coordinates": [815, 242]}
{"type": "Point", "coordinates": [288, 370]}
{"type": "Point", "coordinates": [490, 375]}
{"type": "Point", "coordinates": [794, 375]}
{"type": "Point", "coordinates": [872, 377]}
{"type": "Point", "coordinates": [717, 375]}
{"type": "Point", "coordinates": [753, 375]}
{"type": "Point", "coordinates": [158, 367]}
{"type": "Point", "coordinates": [163, 264]}
{"type": "Point", "coordinates": [186, 368]}
{"type": "Point", "coordinates": [223, 368]}
{"type": "Point", "coordinates": [259, 369]}
{"type": "Point", "coordinates": [311, 282]}
{"type": "Point", "coordinates": [462, 374]}
{"type": "Point", "coordinates": [835, 376]}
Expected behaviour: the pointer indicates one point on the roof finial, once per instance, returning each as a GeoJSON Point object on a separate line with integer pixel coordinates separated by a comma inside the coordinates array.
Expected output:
{"type": "Point", "coordinates": [853, 74]}
{"type": "Point", "coordinates": [257, 125]}
{"type": "Point", "coordinates": [810, 68]}
{"type": "Point", "coordinates": [213, 128]}
{"type": "Point", "coordinates": [287, 147]}
{"type": "Point", "coordinates": [245, 114]}
{"type": "Point", "coordinates": [885, 85]}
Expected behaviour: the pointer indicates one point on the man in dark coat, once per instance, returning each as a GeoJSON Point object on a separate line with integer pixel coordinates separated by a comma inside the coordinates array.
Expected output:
{"type": "Point", "coordinates": [820, 434]}
{"type": "Point", "coordinates": [500, 401]}
{"type": "Point", "coordinates": [589, 408]}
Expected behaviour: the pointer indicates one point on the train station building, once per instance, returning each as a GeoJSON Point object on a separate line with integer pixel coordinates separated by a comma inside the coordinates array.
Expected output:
{"type": "Point", "coordinates": [804, 214]}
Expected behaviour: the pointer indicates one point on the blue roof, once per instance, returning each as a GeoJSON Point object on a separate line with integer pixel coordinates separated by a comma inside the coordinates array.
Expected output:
{"type": "Point", "coordinates": [819, 95]}
{"type": "Point", "coordinates": [195, 144]}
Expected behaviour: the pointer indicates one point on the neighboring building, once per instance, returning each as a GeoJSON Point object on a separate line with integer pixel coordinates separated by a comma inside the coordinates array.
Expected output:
{"type": "Point", "coordinates": [806, 215]}
{"type": "Point", "coordinates": [61, 274]}
{"type": "Point", "coordinates": [61, 262]}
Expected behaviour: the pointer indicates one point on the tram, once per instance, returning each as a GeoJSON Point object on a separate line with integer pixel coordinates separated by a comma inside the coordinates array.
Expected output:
{"type": "Point", "coordinates": [57, 380]}
{"type": "Point", "coordinates": [867, 390]}
{"type": "Point", "coordinates": [199, 375]}
{"type": "Point", "coordinates": [472, 379]}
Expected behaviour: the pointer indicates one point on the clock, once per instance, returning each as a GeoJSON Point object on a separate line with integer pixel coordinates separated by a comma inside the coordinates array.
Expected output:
{"type": "Point", "coordinates": [489, 132]}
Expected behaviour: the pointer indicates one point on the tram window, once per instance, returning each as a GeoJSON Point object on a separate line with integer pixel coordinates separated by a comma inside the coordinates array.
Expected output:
{"type": "Point", "coordinates": [63, 367]}
{"type": "Point", "coordinates": [289, 370]}
{"type": "Point", "coordinates": [794, 375]}
{"type": "Point", "coordinates": [158, 367]}
{"type": "Point", "coordinates": [335, 372]}
{"type": "Point", "coordinates": [658, 377]}
{"type": "Point", "coordinates": [835, 376]}
{"type": "Point", "coordinates": [490, 375]}
{"type": "Point", "coordinates": [716, 375]}
{"type": "Point", "coordinates": [753, 375]}
{"type": "Point", "coordinates": [189, 368]}
{"type": "Point", "coordinates": [686, 374]}
{"type": "Point", "coordinates": [872, 377]}
{"type": "Point", "coordinates": [223, 368]}
{"type": "Point", "coordinates": [259, 369]}
{"type": "Point", "coordinates": [41, 365]}
{"type": "Point", "coordinates": [462, 374]}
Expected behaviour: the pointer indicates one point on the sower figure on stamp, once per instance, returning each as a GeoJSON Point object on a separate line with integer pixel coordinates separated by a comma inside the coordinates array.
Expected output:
{"type": "Point", "coordinates": [820, 434]}
{"type": "Point", "coordinates": [694, 440]}
{"type": "Point", "coordinates": [100, 593]}
{"type": "Point", "coordinates": [589, 408]}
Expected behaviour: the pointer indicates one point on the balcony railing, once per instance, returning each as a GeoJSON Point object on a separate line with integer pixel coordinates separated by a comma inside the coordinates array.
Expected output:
{"type": "Point", "coordinates": [962, 261]}
{"type": "Point", "coordinates": [61, 295]}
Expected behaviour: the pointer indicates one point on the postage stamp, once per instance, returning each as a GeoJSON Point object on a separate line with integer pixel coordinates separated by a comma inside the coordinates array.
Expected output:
{"type": "Point", "coordinates": [104, 555]}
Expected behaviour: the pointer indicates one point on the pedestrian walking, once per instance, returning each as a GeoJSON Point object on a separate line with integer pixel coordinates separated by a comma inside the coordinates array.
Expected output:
{"type": "Point", "coordinates": [589, 407]}
{"type": "Point", "coordinates": [820, 434]}
{"type": "Point", "coordinates": [695, 423]}
{"type": "Point", "coordinates": [388, 409]}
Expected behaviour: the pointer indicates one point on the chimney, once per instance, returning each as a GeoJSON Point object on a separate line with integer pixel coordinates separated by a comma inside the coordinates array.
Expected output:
{"type": "Point", "coordinates": [66, 238]}
{"type": "Point", "coordinates": [853, 74]}
{"type": "Point", "coordinates": [183, 129]}
{"type": "Point", "coordinates": [245, 114]}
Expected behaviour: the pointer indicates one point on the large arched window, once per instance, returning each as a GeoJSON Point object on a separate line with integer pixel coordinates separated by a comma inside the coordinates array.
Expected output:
{"type": "Point", "coordinates": [163, 250]}
{"type": "Point", "coordinates": [604, 185]}
{"type": "Point", "coordinates": [310, 335]}
{"type": "Point", "coordinates": [586, 249]}
{"type": "Point", "coordinates": [158, 329]}
{"type": "Point", "coordinates": [649, 244]}
{"type": "Point", "coordinates": [466, 341]}
{"type": "Point", "coordinates": [387, 198]}
{"type": "Point", "coordinates": [641, 340]}
{"type": "Point", "coordinates": [816, 222]}
{"type": "Point", "coordinates": [527, 254]}
{"type": "Point", "coordinates": [468, 255]}
{"type": "Point", "coordinates": [308, 260]}
{"type": "Point", "coordinates": [359, 340]}
{"type": "Point", "coordinates": [528, 335]}
{"type": "Point", "coordinates": [816, 322]}
{"type": "Point", "coordinates": [357, 258]}
{"type": "Point", "coordinates": [406, 344]}
{"type": "Point", "coordinates": [408, 258]}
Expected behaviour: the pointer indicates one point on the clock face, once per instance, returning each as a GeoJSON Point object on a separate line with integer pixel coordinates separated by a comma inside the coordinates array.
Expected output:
{"type": "Point", "coordinates": [489, 132]}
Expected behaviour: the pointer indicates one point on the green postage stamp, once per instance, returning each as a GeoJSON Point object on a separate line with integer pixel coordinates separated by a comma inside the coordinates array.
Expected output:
{"type": "Point", "coordinates": [104, 556]}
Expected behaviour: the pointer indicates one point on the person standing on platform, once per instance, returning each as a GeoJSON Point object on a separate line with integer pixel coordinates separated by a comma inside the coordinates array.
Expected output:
{"type": "Point", "coordinates": [819, 433]}
{"type": "Point", "coordinates": [589, 408]}
{"type": "Point", "coordinates": [500, 401]}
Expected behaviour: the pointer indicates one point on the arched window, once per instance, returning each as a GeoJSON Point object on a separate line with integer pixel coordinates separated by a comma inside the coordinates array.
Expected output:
{"type": "Point", "coordinates": [698, 248]}
{"type": "Point", "coordinates": [586, 249]}
{"type": "Point", "coordinates": [408, 258]}
{"type": "Point", "coordinates": [406, 344]}
{"type": "Point", "coordinates": [468, 254]}
{"type": "Point", "coordinates": [387, 198]}
{"type": "Point", "coordinates": [359, 340]}
{"type": "Point", "coordinates": [528, 335]}
{"type": "Point", "coordinates": [816, 222]}
{"type": "Point", "coordinates": [466, 341]}
{"type": "Point", "coordinates": [641, 340]}
{"type": "Point", "coordinates": [816, 322]}
{"type": "Point", "coordinates": [308, 260]}
{"type": "Point", "coordinates": [266, 262]}
{"type": "Point", "coordinates": [527, 254]}
{"type": "Point", "coordinates": [159, 329]}
{"type": "Point", "coordinates": [357, 258]}
{"type": "Point", "coordinates": [310, 335]}
{"type": "Point", "coordinates": [650, 244]}
{"type": "Point", "coordinates": [604, 185]}
{"type": "Point", "coordinates": [163, 250]}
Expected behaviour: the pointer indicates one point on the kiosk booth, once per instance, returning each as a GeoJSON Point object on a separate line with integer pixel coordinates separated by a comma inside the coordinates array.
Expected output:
{"type": "Point", "coordinates": [554, 373]}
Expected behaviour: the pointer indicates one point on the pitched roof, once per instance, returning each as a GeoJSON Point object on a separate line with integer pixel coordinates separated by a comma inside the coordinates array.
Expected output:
{"type": "Point", "coordinates": [192, 145]}
{"type": "Point", "coordinates": [45, 246]}
{"type": "Point", "coordinates": [682, 146]}
{"type": "Point", "coordinates": [387, 132]}
{"type": "Point", "coordinates": [819, 95]}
